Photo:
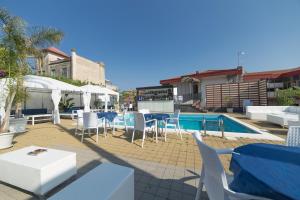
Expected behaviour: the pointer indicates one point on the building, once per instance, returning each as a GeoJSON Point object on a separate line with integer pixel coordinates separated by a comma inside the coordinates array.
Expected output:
{"type": "Point", "coordinates": [277, 79]}
{"type": "Point", "coordinates": [56, 63]}
{"type": "Point", "coordinates": [191, 88]}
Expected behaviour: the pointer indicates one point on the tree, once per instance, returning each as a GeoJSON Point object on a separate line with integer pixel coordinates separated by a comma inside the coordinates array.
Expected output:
{"type": "Point", "coordinates": [287, 97]}
{"type": "Point", "coordinates": [17, 42]}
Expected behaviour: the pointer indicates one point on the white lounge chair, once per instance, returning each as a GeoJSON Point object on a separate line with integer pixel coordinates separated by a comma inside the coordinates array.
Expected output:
{"type": "Point", "coordinates": [282, 118]}
{"type": "Point", "coordinates": [213, 176]}
{"type": "Point", "coordinates": [140, 124]}
{"type": "Point", "coordinates": [90, 121]}
{"type": "Point", "coordinates": [293, 136]}
{"type": "Point", "coordinates": [293, 123]}
{"type": "Point", "coordinates": [174, 122]}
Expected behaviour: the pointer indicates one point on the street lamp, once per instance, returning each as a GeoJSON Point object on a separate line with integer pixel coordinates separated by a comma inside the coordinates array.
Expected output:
{"type": "Point", "coordinates": [240, 53]}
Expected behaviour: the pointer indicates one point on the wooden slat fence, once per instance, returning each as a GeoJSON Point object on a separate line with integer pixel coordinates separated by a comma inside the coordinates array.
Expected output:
{"type": "Point", "coordinates": [217, 95]}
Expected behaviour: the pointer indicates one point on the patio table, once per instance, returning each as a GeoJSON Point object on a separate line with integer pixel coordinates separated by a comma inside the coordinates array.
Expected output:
{"type": "Point", "coordinates": [37, 173]}
{"type": "Point", "coordinates": [157, 116]}
{"type": "Point", "coordinates": [110, 116]}
{"type": "Point", "coordinates": [266, 170]}
{"type": "Point", "coordinates": [160, 117]}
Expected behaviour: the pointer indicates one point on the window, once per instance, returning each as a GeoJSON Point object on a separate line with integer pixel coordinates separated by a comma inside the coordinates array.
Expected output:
{"type": "Point", "coordinates": [64, 72]}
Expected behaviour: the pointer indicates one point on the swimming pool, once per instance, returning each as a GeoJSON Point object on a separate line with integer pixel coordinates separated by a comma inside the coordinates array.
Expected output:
{"type": "Point", "coordinates": [195, 122]}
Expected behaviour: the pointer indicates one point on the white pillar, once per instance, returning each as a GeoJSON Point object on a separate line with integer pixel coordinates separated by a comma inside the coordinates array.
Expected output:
{"type": "Point", "coordinates": [56, 96]}
{"type": "Point", "coordinates": [86, 101]}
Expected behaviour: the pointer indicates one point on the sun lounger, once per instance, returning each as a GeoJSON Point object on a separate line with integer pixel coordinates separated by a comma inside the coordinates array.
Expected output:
{"type": "Point", "coordinates": [282, 118]}
{"type": "Point", "coordinates": [39, 118]}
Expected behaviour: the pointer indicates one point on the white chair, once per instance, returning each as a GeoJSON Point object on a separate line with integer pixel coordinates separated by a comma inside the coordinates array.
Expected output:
{"type": "Point", "coordinates": [79, 120]}
{"type": "Point", "coordinates": [213, 176]}
{"type": "Point", "coordinates": [174, 122]}
{"type": "Point", "coordinates": [293, 136]}
{"type": "Point", "coordinates": [90, 121]}
{"type": "Point", "coordinates": [140, 124]}
{"type": "Point", "coordinates": [121, 119]}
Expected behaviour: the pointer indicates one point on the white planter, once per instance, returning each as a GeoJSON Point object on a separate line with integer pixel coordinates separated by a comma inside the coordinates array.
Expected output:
{"type": "Point", "coordinates": [17, 125]}
{"type": "Point", "coordinates": [229, 110]}
{"type": "Point", "coordinates": [6, 140]}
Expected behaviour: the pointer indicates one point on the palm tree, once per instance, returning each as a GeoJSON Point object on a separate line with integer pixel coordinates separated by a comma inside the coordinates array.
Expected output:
{"type": "Point", "coordinates": [17, 42]}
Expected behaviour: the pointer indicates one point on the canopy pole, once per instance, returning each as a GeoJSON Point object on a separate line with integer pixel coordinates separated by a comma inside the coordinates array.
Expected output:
{"type": "Point", "coordinates": [106, 99]}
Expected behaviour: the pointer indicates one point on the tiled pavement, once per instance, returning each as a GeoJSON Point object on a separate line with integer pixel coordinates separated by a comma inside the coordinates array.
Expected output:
{"type": "Point", "coordinates": [164, 170]}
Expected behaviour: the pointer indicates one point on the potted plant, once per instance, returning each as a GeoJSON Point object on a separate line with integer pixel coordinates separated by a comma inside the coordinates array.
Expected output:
{"type": "Point", "coordinates": [66, 103]}
{"type": "Point", "coordinates": [98, 103]}
{"type": "Point", "coordinates": [17, 42]}
{"type": "Point", "coordinates": [18, 123]}
{"type": "Point", "coordinates": [229, 104]}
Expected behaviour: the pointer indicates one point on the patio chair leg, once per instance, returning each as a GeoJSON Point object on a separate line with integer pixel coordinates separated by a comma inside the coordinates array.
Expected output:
{"type": "Point", "coordinates": [105, 133]}
{"type": "Point", "coordinates": [165, 133]}
{"type": "Point", "coordinates": [82, 135]}
{"type": "Point", "coordinates": [144, 135]}
{"type": "Point", "coordinates": [179, 131]}
{"type": "Point", "coordinates": [132, 136]}
{"type": "Point", "coordinates": [97, 135]}
{"type": "Point", "coordinates": [156, 133]}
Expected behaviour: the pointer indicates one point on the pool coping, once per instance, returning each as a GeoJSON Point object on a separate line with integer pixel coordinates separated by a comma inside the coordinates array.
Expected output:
{"type": "Point", "coordinates": [263, 135]}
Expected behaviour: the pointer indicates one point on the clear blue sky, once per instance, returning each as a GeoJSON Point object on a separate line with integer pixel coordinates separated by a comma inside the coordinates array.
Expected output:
{"type": "Point", "coordinates": [144, 41]}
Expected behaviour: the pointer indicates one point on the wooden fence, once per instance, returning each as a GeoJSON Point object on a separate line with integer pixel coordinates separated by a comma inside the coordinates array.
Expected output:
{"type": "Point", "coordinates": [218, 95]}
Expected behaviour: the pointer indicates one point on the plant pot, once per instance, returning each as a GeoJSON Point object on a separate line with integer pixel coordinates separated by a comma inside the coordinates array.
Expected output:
{"type": "Point", "coordinates": [17, 125]}
{"type": "Point", "coordinates": [229, 110]}
{"type": "Point", "coordinates": [6, 140]}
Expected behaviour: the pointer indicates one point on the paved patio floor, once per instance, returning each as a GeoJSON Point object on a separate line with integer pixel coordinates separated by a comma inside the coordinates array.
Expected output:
{"type": "Point", "coordinates": [164, 170]}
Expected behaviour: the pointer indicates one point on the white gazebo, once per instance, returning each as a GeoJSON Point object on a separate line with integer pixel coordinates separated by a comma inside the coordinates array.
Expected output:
{"type": "Point", "coordinates": [101, 91]}
{"type": "Point", "coordinates": [56, 87]}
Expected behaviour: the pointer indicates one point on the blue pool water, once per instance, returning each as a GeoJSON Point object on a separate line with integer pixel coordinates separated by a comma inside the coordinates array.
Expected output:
{"type": "Point", "coordinates": [195, 121]}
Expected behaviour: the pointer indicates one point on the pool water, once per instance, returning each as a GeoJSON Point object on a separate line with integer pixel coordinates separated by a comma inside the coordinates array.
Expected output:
{"type": "Point", "coordinates": [195, 122]}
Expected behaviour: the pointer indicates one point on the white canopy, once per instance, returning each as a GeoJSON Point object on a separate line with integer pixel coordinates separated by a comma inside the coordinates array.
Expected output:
{"type": "Point", "coordinates": [96, 89]}
{"type": "Point", "coordinates": [40, 82]}
{"type": "Point", "coordinates": [56, 86]}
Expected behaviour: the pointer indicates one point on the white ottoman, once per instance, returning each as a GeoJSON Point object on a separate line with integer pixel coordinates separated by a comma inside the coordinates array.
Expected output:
{"type": "Point", "coordinates": [37, 174]}
{"type": "Point", "coordinates": [106, 182]}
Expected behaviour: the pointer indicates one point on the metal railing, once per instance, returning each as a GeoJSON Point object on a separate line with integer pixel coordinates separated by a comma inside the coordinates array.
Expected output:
{"type": "Point", "coordinates": [219, 123]}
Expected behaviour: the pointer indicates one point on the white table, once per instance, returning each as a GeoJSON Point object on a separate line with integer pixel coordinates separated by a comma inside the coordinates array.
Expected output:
{"type": "Point", "coordinates": [106, 182]}
{"type": "Point", "coordinates": [37, 174]}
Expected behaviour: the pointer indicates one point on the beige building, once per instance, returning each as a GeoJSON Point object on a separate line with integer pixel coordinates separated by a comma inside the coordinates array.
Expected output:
{"type": "Point", "coordinates": [58, 64]}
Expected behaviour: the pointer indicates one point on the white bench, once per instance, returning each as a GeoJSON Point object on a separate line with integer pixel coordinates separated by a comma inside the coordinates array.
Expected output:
{"type": "Point", "coordinates": [105, 182]}
{"type": "Point", "coordinates": [41, 117]}
{"type": "Point", "coordinates": [37, 174]}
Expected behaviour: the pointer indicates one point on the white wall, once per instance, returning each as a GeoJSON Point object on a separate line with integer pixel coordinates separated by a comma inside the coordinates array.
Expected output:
{"type": "Point", "coordinates": [157, 106]}
{"type": "Point", "coordinates": [37, 100]}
